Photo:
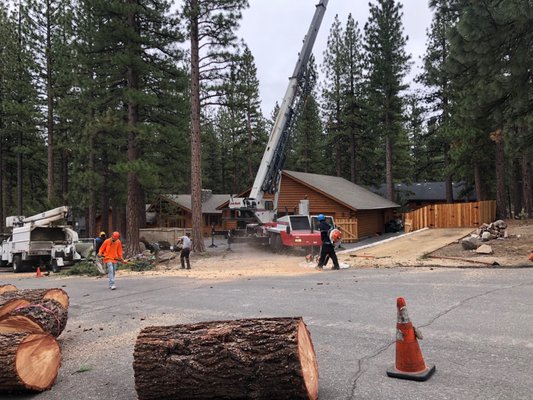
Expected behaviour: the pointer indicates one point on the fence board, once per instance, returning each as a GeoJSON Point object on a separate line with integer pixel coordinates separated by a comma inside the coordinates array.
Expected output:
{"type": "Point", "coordinates": [348, 227]}
{"type": "Point", "coordinates": [456, 215]}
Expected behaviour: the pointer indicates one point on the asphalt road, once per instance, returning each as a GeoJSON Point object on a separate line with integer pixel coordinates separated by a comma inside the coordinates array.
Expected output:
{"type": "Point", "coordinates": [477, 326]}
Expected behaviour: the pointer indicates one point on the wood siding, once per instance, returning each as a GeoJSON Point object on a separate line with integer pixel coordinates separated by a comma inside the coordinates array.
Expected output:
{"type": "Point", "coordinates": [370, 222]}
{"type": "Point", "coordinates": [292, 191]}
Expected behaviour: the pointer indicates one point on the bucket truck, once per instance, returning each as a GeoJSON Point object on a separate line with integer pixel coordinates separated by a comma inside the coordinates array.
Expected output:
{"type": "Point", "coordinates": [38, 239]}
{"type": "Point", "coordinates": [255, 211]}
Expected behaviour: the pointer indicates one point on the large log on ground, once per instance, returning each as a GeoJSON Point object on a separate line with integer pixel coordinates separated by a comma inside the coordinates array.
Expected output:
{"type": "Point", "coordinates": [7, 288]}
{"type": "Point", "coordinates": [9, 303]}
{"type": "Point", "coordinates": [28, 362]}
{"type": "Point", "coordinates": [35, 296]}
{"type": "Point", "coordinates": [47, 316]}
{"type": "Point", "coordinates": [269, 358]}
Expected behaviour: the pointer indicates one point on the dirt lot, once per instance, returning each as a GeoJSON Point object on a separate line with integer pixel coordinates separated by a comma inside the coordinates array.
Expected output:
{"type": "Point", "coordinates": [427, 248]}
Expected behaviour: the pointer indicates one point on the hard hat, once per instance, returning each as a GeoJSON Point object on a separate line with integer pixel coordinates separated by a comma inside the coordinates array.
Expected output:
{"type": "Point", "coordinates": [102, 233]}
{"type": "Point", "coordinates": [321, 217]}
{"type": "Point", "coordinates": [116, 235]}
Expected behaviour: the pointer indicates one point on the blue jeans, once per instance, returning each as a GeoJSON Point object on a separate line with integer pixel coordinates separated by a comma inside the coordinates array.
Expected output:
{"type": "Point", "coordinates": [111, 269]}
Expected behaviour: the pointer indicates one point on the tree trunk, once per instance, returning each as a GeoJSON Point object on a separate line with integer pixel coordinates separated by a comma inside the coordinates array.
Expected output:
{"type": "Point", "coordinates": [28, 362]}
{"type": "Point", "coordinates": [134, 187]}
{"type": "Point", "coordinates": [11, 300]}
{"type": "Point", "coordinates": [517, 187]}
{"type": "Point", "coordinates": [449, 178]}
{"type": "Point", "coordinates": [527, 194]}
{"type": "Point", "coordinates": [47, 316]}
{"type": "Point", "coordinates": [244, 359]}
{"type": "Point", "coordinates": [480, 193]}
{"type": "Point", "coordinates": [388, 168]}
{"type": "Point", "coordinates": [50, 104]}
{"type": "Point", "coordinates": [501, 209]}
{"type": "Point", "coordinates": [196, 140]}
{"type": "Point", "coordinates": [7, 288]}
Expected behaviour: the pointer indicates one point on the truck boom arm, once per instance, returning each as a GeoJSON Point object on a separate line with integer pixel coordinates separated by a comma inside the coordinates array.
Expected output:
{"type": "Point", "coordinates": [267, 178]}
{"type": "Point", "coordinates": [43, 218]}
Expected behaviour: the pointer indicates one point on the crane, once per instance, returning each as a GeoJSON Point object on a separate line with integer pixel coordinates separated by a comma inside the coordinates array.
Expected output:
{"type": "Point", "coordinates": [269, 172]}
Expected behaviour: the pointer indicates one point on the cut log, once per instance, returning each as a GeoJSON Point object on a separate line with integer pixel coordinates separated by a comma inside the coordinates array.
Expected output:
{"type": "Point", "coordinates": [269, 358]}
{"type": "Point", "coordinates": [8, 304]}
{"type": "Point", "coordinates": [28, 362]}
{"type": "Point", "coordinates": [7, 288]}
{"type": "Point", "coordinates": [47, 316]}
{"type": "Point", "coordinates": [37, 295]}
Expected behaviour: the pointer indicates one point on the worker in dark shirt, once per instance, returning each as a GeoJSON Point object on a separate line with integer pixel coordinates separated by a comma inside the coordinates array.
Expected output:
{"type": "Point", "coordinates": [98, 242]}
{"type": "Point", "coordinates": [328, 249]}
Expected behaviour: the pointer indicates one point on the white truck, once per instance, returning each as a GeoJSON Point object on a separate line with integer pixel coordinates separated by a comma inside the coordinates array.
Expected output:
{"type": "Point", "coordinates": [38, 240]}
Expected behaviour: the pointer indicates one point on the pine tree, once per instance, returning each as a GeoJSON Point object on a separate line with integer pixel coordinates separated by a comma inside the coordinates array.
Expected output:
{"type": "Point", "coordinates": [436, 79]}
{"type": "Point", "coordinates": [332, 98]}
{"type": "Point", "coordinates": [387, 65]}
{"type": "Point", "coordinates": [306, 152]}
{"type": "Point", "coordinates": [23, 150]}
{"type": "Point", "coordinates": [353, 92]}
{"type": "Point", "coordinates": [210, 27]}
{"type": "Point", "coordinates": [489, 61]}
{"type": "Point", "coordinates": [134, 59]}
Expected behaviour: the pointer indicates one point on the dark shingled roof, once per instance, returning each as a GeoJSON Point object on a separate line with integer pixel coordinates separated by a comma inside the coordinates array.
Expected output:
{"type": "Point", "coordinates": [208, 207]}
{"type": "Point", "coordinates": [352, 195]}
{"type": "Point", "coordinates": [427, 191]}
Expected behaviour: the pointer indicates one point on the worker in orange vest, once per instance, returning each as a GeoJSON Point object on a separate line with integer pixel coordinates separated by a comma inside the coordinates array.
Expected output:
{"type": "Point", "coordinates": [111, 250]}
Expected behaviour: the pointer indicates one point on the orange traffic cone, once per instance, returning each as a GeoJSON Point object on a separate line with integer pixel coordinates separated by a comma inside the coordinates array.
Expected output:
{"type": "Point", "coordinates": [38, 274]}
{"type": "Point", "coordinates": [409, 360]}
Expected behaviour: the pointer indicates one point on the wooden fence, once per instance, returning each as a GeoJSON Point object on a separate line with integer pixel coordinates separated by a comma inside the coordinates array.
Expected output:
{"type": "Point", "coordinates": [348, 227]}
{"type": "Point", "coordinates": [457, 215]}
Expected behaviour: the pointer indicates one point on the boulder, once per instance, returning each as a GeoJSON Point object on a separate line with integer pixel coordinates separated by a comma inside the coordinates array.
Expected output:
{"type": "Point", "coordinates": [470, 243]}
{"type": "Point", "coordinates": [484, 249]}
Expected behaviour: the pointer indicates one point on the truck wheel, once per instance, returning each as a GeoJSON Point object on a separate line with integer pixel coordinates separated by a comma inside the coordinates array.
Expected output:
{"type": "Point", "coordinates": [55, 267]}
{"type": "Point", "coordinates": [17, 264]}
{"type": "Point", "coordinates": [276, 244]}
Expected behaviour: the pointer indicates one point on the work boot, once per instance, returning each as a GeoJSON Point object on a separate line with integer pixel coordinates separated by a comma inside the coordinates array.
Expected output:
{"type": "Point", "coordinates": [335, 267]}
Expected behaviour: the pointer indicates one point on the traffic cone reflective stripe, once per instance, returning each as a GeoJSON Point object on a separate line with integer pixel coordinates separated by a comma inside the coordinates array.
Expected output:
{"type": "Point", "coordinates": [410, 363]}
{"type": "Point", "coordinates": [38, 274]}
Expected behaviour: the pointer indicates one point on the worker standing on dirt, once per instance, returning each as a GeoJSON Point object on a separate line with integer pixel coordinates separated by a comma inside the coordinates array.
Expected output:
{"type": "Point", "coordinates": [111, 250]}
{"type": "Point", "coordinates": [98, 242]}
{"type": "Point", "coordinates": [186, 245]}
{"type": "Point", "coordinates": [328, 249]}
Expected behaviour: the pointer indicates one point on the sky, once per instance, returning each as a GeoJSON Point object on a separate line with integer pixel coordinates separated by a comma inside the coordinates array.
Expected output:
{"type": "Point", "coordinates": [274, 32]}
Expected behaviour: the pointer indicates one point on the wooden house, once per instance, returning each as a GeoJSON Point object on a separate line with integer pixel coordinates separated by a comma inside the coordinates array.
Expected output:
{"type": "Point", "coordinates": [357, 210]}
{"type": "Point", "coordinates": [175, 211]}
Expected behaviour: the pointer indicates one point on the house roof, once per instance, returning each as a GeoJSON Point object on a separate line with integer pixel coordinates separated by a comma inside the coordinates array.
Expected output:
{"type": "Point", "coordinates": [427, 191]}
{"type": "Point", "coordinates": [340, 189]}
{"type": "Point", "coordinates": [209, 206]}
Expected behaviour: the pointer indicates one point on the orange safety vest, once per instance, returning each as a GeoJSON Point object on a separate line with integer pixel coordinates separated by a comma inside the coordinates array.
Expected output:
{"type": "Point", "coordinates": [111, 250]}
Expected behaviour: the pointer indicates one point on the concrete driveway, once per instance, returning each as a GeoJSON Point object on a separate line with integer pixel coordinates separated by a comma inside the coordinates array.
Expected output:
{"type": "Point", "coordinates": [412, 245]}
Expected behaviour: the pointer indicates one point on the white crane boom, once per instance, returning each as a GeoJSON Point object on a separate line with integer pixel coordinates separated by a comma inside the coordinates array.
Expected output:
{"type": "Point", "coordinates": [269, 172]}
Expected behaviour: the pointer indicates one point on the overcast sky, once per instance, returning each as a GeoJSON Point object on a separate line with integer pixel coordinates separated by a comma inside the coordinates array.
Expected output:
{"type": "Point", "coordinates": [274, 31]}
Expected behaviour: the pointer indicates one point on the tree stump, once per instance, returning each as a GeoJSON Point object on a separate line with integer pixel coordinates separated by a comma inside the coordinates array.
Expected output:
{"type": "Point", "coordinates": [34, 296]}
{"type": "Point", "coordinates": [47, 316]}
{"type": "Point", "coordinates": [269, 358]}
{"type": "Point", "coordinates": [28, 362]}
{"type": "Point", "coordinates": [7, 288]}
